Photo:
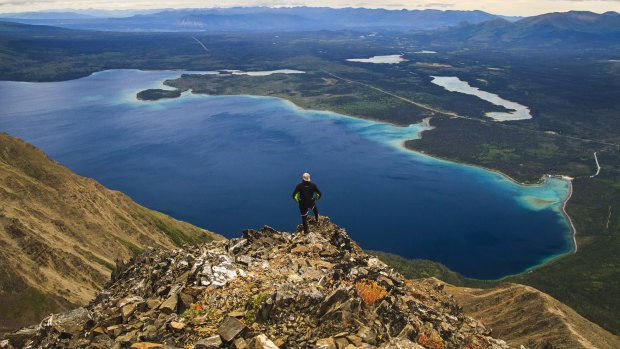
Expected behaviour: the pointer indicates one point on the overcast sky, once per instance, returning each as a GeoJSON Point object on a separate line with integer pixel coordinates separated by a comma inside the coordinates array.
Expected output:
{"type": "Point", "coordinates": [504, 7]}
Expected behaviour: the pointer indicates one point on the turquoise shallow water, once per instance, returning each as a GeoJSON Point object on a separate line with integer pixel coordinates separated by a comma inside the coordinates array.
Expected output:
{"type": "Point", "coordinates": [230, 163]}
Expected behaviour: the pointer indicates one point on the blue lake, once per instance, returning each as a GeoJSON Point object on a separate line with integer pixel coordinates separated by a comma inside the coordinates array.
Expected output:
{"type": "Point", "coordinates": [231, 163]}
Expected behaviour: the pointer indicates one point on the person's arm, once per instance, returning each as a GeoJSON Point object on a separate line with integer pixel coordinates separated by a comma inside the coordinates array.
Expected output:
{"type": "Point", "coordinates": [317, 191]}
{"type": "Point", "coordinates": [296, 193]}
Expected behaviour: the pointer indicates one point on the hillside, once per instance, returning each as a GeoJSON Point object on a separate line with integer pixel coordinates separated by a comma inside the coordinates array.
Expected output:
{"type": "Point", "coordinates": [562, 29]}
{"type": "Point", "coordinates": [60, 234]}
{"type": "Point", "coordinates": [519, 314]}
{"type": "Point", "coordinates": [522, 315]}
{"type": "Point", "coordinates": [266, 289]}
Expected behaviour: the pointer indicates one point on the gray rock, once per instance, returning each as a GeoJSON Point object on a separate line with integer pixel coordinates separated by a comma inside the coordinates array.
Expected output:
{"type": "Point", "coordinates": [240, 343]}
{"type": "Point", "coordinates": [150, 332]}
{"type": "Point", "coordinates": [367, 334]}
{"type": "Point", "coordinates": [153, 303]}
{"type": "Point", "coordinates": [70, 322]}
{"type": "Point", "coordinates": [336, 296]}
{"type": "Point", "coordinates": [401, 343]}
{"type": "Point", "coordinates": [127, 338]}
{"type": "Point", "coordinates": [230, 328]}
{"type": "Point", "coordinates": [341, 343]}
{"type": "Point", "coordinates": [265, 310]}
{"type": "Point", "coordinates": [169, 306]}
{"type": "Point", "coordinates": [128, 300]}
{"type": "Point", "coordinates": [128, 310]}
{"type": "Point", "coordinates": [262, 342]}
{"type": "Point", "coordinates": [213, 342]}
{"type": "Point", "coordinates": [325, 343]}
{"type": "Point", "coordinates": [18, 339]}
{"type": "Point", "coordinates": [185, 301]}
{"type": "Point", "coordinates": [244, 259]}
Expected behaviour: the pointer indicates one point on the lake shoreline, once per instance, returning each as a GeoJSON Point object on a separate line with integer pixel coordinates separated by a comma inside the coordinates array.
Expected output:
{"type": "Point", "coordinates": [426, 122]}
{"type": "Point", "coordinates": [412, 132]}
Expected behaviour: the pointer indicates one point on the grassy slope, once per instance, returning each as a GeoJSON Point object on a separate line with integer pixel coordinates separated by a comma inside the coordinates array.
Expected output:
{"type": "Point", "coordinates": [549, 323]}
{"type": "Point", "coordinates": [60, 234]}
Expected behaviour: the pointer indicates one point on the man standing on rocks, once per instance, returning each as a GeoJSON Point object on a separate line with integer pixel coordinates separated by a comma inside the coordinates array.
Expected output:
{"type": "Point", "coordinates": [304, 194]}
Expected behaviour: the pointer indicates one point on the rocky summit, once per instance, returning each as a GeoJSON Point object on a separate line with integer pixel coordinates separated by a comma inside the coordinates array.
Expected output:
{"type": "Point", "coordinates": [263, 290]}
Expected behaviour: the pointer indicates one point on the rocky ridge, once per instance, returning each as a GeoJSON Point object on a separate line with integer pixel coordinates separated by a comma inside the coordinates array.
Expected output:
{"type": "Point", "coordinates": [264, 290]}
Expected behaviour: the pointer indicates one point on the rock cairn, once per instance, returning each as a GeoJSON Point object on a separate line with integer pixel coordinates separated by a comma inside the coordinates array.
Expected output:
{"type": "Point", "coordinates": [264, 290]}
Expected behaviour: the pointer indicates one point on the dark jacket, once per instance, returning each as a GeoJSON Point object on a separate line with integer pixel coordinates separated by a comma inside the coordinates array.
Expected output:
{"type": "Point", "coordinates": [304, 193]}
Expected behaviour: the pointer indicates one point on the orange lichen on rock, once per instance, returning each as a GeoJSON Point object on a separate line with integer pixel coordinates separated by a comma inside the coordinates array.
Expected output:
{"type": "Point", "coordinates": [370, 291]}
{"type": "Point", "coordinates": [432, 340]}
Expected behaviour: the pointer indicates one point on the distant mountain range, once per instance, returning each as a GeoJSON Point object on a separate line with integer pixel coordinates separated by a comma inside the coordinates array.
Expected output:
{"type": "Point", "coordinates": [46, 15]}
{"type": "Point", "coordinates": [262, 19]}
{"type": "Point", "coordinates": [572, 29]}
{"type": "Point", "coordinates": [568, 28]}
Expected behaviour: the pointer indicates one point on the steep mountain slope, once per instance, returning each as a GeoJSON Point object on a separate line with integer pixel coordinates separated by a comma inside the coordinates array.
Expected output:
{"type": "Point", "coordinates": [60, 234]}
{"type": "Point", "coordinates": [572, 29]}
{"type": "Point", "coordinates": [576, 21]}
{"type": "Point", "coordinates": [265, 290]}
{"type": "Point", "coordinates": [522, 315]}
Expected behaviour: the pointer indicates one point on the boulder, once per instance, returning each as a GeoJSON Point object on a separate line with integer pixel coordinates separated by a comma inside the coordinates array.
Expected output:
{"type": "Point", "coordinates": [128, 310]}
{"type": "Point", "coordinates": [326, 343]}
{"type": "Point", "coordinates": [72, 321]}
{"type": "Point", "coordinates": [337, 296]}
{"type": "Point", "coordinates": [262, 342]}
{"type": "Point", "coordinates": [177, 326]}
{"type": "Point", "coordinates": [240, 343]}
{"type": "Point", "coordinates": [230, 328]}
{"type": "Point", "coordinates": [18, 339]}
{"type": "Point", "coordinates": [367, 334]}
{"type": "Point", "coordinates": [213, 342]}
{"type": "Point", "coordinates": [341, 342]}
{"type": "Point", "coordinates": [401, 343]}
{"type": "Point", "coordinates": [169, 306]}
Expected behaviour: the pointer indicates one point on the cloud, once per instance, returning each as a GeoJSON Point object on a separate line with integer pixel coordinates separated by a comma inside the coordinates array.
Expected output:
{"type": "Point", "coordinates": [437, 4]}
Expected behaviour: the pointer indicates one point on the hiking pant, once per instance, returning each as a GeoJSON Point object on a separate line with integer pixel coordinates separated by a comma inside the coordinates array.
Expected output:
{"type": "Point", "coordinates": [303, 210]}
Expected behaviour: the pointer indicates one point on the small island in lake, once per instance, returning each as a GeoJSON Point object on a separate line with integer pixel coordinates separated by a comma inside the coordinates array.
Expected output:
{"type": "Point", "coordinates": [155, 94]}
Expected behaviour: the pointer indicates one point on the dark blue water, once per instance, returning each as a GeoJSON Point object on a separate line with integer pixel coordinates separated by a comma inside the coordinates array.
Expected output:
{"type": "Point", "coordinates": [230, 163]}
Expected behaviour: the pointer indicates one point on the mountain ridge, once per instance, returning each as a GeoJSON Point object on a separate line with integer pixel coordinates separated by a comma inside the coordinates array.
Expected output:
{"type": "Point", "coordinates": [549, 322]}
{"type": "Point", "coordinates": [265, 290]}
{"type": "Point", "coordinates": [266, 19]}
{"type": "Point", "coordinates": [573, 28]}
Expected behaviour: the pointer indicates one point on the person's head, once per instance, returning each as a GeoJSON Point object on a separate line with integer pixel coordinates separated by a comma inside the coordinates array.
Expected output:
{"type": "Point", "coordinates": [306, 177]}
